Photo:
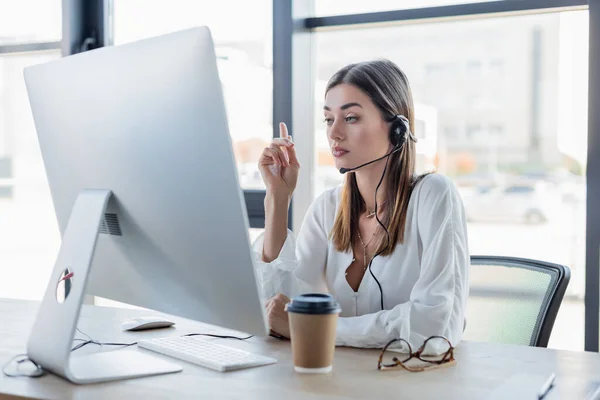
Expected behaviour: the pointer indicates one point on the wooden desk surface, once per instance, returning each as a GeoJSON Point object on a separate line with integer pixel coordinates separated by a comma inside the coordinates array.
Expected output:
{"type": "Point", "coordinates": [480, 370]}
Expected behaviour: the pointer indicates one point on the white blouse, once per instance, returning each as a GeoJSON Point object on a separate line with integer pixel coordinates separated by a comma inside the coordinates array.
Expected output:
{"type": "Point", "coordinates": [425, 281]}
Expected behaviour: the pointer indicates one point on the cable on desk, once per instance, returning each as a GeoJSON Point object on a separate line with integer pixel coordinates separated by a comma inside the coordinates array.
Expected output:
{"type": "Point", "coordinates": [218, 336]}
{"type": "Point", "coordinates": [85, 343]}
{"type": "Point", "coordinates": [40, 371]}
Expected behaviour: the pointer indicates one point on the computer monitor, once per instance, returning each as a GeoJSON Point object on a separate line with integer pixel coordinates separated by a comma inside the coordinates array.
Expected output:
{"type": "Point", "coordinates": [139, 160]}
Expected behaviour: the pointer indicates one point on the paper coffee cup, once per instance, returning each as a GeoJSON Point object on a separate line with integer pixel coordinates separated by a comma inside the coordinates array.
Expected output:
{"type": "Point", "coordinates": [313, 321]}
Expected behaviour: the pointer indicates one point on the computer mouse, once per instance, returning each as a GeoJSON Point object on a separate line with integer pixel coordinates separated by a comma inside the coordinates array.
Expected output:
{"type": "Point", "coordinates": [143, 323]}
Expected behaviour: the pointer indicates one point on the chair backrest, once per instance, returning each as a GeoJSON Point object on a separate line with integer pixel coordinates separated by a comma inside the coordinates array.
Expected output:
{"type": "Point", "coordinates": [514, 300]}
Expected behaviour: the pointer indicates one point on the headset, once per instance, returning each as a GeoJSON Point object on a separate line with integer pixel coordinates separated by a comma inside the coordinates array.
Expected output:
{"type": "Point", "coordinates": [399, 133]}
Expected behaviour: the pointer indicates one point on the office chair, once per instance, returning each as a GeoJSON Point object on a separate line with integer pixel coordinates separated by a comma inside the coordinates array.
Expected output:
{"type": "Point", "coordinates": [514, 300]}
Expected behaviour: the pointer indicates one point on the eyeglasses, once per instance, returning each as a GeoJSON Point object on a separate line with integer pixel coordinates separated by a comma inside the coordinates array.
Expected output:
{"type": "Point", "coordinates": [388, 358]}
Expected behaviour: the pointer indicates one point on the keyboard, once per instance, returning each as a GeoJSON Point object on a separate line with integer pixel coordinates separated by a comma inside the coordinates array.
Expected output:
{"type": "Point", "coordinates": [205, 353]}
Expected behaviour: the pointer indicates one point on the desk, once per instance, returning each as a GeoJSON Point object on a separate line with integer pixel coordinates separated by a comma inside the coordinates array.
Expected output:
{"type": "Point", "coordinates": [481, 367]}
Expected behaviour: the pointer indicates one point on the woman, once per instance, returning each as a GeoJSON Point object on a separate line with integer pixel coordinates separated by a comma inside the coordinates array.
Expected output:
{"type": "Point", "coordinates": [417, 285]}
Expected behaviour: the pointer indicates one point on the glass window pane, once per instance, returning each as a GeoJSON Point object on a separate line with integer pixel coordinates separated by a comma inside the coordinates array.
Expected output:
{"type": "Point", "coordinates": [243, 45]}
{"type": "Point", "coordinates": [502, 109]}
{"type": "Point", "coordinates": [29, 237]}
{"type": "Point", "coordinates": [26, 21]}
{"type": "Point", "coordinates": [336, 7]}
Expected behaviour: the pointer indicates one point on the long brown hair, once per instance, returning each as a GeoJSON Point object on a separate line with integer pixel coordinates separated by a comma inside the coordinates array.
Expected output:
{"type": "Point", "coordinates": [388, 88]}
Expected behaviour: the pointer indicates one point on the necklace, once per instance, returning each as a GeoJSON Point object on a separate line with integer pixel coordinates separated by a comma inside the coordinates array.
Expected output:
{"type": "Point", "coordinates": [371, 214]}
{"type": "Point", "coordinates": [365, 249]}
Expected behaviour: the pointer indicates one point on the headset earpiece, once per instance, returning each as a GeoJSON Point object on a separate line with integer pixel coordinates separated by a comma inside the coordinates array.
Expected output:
{"type": "Point", "coordinates": [399, 130]}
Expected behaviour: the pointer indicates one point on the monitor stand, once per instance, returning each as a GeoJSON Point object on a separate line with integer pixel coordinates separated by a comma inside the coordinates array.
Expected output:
{"type": "Point", "coordinates": [51, 337]}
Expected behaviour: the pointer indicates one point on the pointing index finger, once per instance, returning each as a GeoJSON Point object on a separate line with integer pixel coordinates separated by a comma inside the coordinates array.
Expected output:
{"type": "Point", "coordinates": [283, 130]}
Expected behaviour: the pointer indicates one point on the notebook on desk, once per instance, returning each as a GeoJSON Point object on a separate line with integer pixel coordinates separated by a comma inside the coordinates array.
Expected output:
{"type": "Point", "coordinates": [525, 386]}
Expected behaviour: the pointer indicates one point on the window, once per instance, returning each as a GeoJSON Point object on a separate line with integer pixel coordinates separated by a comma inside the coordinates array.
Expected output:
{"type": "Point", "coordinates": [440, 70]}
{"type": "Point", "coordinates": [497, 67]}
{"type": "Point", "coordinates": [484, 189]}
{"type": "Point", "coordinates": [473, 131]}
{"type": "Point", "coordinates": [496, 130]}
{"type": "Point", "coordinates": [477, 102]}
{"type": "Point", "coordinates": [515, 135]}
{"type": "Point", "coordinates": [474, 68]}
{"type": "Point", "coordinates": [450, 132]}
{"type": "Point", "coordinates": [30, 21]}
{"type": "Point", "coordinates": [244, 52]}
{"type": "Point", "coordinates": [29, 237]}
{"type": "Point", "coordinates": [420, 129]}
{"type": "Point", "coordinates": [518, 189]}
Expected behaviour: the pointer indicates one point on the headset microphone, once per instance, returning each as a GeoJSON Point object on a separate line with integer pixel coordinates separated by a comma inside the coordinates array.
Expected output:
{"type": "Point", "coordinates": [344, 170]}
